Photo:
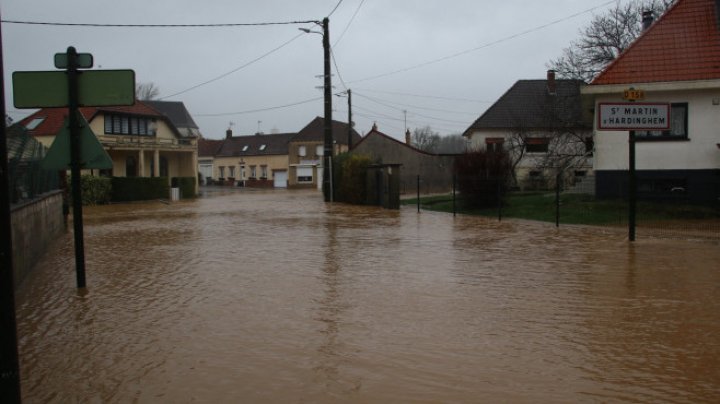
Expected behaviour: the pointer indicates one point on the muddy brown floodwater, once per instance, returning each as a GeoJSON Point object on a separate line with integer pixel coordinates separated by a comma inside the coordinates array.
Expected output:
{"type": "Point", "coordinates": [276, 297]}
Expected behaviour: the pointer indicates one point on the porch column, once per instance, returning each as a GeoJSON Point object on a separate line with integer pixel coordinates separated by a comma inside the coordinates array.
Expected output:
{"type": "Point", "coordinates": [195, 169]}
{"type": "Point", "coordinates": [141, 163]}
{"type": "Point", "coordinates": [156, 162]}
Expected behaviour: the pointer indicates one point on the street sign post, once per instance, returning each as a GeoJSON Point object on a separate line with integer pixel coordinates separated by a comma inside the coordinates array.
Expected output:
{"type": "Point", "coordinates": [632, 116]}
{"type": "Point", "coordinates": [73, 89]}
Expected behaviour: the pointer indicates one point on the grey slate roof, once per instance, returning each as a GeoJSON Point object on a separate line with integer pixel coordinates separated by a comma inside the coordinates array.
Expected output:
{"type": "Point", "coordinates": [315, 132]}
{"type": "Point", "coordinates": [175, 111]}
{"type": "Point", "coordinates": [529, 105]}
{"type": "Point", "coordinates": [238, 146]}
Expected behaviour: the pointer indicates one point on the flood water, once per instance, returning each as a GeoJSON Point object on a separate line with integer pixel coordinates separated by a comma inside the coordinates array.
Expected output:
{"type": "Point", "coordinates": [273, 296]}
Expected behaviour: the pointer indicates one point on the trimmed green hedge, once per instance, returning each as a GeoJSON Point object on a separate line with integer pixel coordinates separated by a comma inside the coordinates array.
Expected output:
{"type": "Point", "coordinates": [95, 190]}
{"type": "Point", "coordinates": [186, 185]}
{"type": "Point", "coordinates": [126, 189]}
{"type": "Point", "coordinates": [349, 178]}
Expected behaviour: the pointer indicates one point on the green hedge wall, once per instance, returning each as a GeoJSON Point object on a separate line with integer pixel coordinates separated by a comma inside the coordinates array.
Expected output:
{"type": "Point", "coordinates": [125, 189]}
{"type": "Point", "coordinates": [349, 176]}
{"type": "Point", "coordinates": [95, 190]}
{"type": "Point", "coordinates": [186, 185]}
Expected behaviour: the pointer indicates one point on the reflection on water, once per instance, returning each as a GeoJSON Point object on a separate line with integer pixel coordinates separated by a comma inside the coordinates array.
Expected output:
{"type": "Point", "coordinates": [276, 297]}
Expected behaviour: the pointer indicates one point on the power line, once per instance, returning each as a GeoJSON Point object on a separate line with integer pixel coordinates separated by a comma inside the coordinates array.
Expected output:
{"type": "Point", "coordinates": [234, 70]}
{"type": "Point", "coordinates": [263, 109]}
{"type": "Point", "coordinates": [334, 9]}
{"type": "Point", "coordinates": [430, 109]}
{"type": "Point", "coordinates": [348, 24]}
{"type": "Point", "coordinates": [426, 96]}
{"type": "Point", "coordinates": [96, 25]}
{"type": "Point", "coordinates": [461, 53]}
{"type": "Point", "coordinates": [337, 70]}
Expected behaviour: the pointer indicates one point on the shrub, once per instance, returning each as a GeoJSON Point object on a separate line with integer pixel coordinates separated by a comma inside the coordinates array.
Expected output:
{"type": "Point", "coordinates": [482, 177]}
{"type": "Point", "coordinates": [95, 190]}
{"type": "Point", "coordinates": [349, 177]}
{"type": "Point", "coordinates": [186, 185]}
{"type": "Point", "coordinates": [125, 189]}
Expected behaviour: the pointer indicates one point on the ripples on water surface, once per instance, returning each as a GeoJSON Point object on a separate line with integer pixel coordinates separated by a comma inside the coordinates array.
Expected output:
{"type": "Point", "coordinates": [275, 297]}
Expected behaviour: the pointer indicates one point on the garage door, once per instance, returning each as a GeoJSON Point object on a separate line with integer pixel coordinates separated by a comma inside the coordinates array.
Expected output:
{"type": "Point", "coordinates": [281, 179]}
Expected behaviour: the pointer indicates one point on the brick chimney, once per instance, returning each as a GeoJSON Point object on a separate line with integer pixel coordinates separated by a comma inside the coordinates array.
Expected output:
{"type": "Point", "coordinates": [374, 127]}
{"type": "Point", "coordinates": [228, 134]}
{"type": "Point", "coordinates": [551, 85]}
{"type": "Point", "coordinates": [408, 138]}
{"type": "Point", "coordinates": [647, 19]}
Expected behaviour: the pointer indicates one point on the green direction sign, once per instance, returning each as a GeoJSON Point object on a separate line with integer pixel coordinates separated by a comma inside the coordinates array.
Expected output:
{"type": "Point", "coordinates": [97, 88]}
{"type": "Point", "coordinates": [83, 60]}
{"type": "Point", "coordinates": [92, 154]}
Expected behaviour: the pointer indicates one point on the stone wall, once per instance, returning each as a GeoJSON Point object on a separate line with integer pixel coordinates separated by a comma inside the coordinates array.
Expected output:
{"type": "Point", "coordinates": [35, 225]}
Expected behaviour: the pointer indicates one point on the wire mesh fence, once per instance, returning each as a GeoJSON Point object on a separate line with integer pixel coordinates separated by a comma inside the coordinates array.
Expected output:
{"type": "Point", "coordinates": [656, 216]}
{"type": "Point", "coordinates": [27, 178]}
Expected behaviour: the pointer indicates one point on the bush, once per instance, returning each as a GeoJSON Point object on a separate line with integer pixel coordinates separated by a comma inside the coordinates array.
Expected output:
{"type": "Point", "coordinates": [349, 177]}
{"type": "Point", "coordinates": [186, 185]}
{"type": "Point", "coordinates": [125, 189]}
{"type": "Point", "coordinates": [95, 190]}
{"type": "Point", "coordinates": [482, 177]}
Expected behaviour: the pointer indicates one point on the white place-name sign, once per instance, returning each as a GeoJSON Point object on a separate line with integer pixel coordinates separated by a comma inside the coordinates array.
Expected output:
{"type": "Point", "coordinates": [634, 116]}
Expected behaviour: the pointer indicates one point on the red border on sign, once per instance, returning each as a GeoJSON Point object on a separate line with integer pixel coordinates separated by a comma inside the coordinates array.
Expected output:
{"type": "Point", "coordinates": [599, 118]}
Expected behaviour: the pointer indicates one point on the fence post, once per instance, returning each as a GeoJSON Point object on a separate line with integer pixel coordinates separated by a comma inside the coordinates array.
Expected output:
{"type": "Point", "coordinates": [454, 188]}
{"type": "Point", "coordinates": [499, 199]}
{"type": "Point", "coordinates": [557, 199]}
{"type": "Point", "coordinates": [418, 193]}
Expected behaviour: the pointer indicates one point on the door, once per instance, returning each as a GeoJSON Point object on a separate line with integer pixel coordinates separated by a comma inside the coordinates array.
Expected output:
{"type": "Point", "coordinates": [281, 179]}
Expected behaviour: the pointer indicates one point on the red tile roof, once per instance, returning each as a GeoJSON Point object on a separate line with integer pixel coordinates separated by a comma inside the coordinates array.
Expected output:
{"type": "Point", "coordinates": [54, 117]}
{"type": "Point", "coordinates": [682, 45]}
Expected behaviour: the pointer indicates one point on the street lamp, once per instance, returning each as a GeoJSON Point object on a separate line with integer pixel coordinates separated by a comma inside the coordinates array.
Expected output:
{"type": "Point", "coordinates": [328, 137]}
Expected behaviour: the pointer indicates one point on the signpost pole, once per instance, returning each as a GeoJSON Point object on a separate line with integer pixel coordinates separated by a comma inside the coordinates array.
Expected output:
{"type": "Point", "coordinates": [72, 75]}
{"type": "Point", "coordinates": [632, 187]}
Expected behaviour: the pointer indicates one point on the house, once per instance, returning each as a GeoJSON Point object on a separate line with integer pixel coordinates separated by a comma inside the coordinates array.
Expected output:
{"type": "Point", "coordinates": [140, 140]}
{"type": "Point", "coordinates": [541, 124]}
{"type": "Point", "coordinates": [179, 116]}
{"type": "Point", "coordinates": [676, 60]}
{"type": "Point", "coordinates": [435, 170]}
{"type": "Point", "coordinates": [207, 150]}
{"type": "Point", "coordinates": [306, 151]}
{"type": "Point", "coordinates": [256, 161]}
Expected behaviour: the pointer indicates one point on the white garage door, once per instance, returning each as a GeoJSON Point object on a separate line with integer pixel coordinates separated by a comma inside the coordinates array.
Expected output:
{"type": "Point", "coordinates": [281, 179]}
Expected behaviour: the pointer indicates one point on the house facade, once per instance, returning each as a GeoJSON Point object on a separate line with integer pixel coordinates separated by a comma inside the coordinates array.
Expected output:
{"type": "Point", "coordinates": [542, 126]}
{"type": "Point", "coordinates": [207, 150]}
{"type": "Point", "coordinates": [435, 170]}
{"type": "Point", "coordinates": [306, 149]}
{"type": "Point", "coordinates": [140, 140]}
{"type": "Point", "coordinates": [254, 161]}
{"type": "Point", "coordinates": [684, 161]}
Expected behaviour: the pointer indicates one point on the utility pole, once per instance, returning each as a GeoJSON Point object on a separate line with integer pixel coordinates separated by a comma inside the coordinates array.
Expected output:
{"type": "Point", "coordinates": [350, 122]}
{"type": "Point", "coordinates": [328, 139]}
{"type": "Point", "coordinates": [9, 358]}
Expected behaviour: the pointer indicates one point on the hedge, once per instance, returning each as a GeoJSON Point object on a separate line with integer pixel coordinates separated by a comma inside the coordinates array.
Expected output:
{"type": "Point", "coordinates": [125, 189]}
{"type": "Point", "coordinates": [349, 178]}
{"type": "Point", "coordinates": [186, 185]}
{"type": "Point", "coordinates": [95, 190]}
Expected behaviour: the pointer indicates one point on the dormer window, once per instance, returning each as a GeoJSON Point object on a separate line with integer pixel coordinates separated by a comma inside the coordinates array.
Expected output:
{"type": "Point", "coordinates": [262, 147]}
{"type": "Point", "coordinates": [245, 148]}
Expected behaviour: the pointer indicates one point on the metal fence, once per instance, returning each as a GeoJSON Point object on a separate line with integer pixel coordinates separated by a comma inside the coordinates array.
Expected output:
{"type": "Point", "coordinates": [27, 178]}
{"type": "Point", "coordinates": [655, 216]}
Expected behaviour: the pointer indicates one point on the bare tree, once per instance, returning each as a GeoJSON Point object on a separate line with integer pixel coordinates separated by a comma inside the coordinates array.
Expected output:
{"type": "Point", "coordinates": [451, 144]}
{"type": "Point", "coordinates": [146, 91]}
{"type": "Point", "coordinates": [425, 139]}
{"type": "Point", "coordinates": [604, 39]}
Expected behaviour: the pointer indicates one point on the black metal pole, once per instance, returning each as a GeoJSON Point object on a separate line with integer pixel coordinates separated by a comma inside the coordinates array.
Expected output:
{"type": "Point", "coordinates": [418, 193]}
{"type": "Point", "coordinates": [328, 143]}
{"type": "Point", "coordinates": [632, 188]}
{"type": "Point", "coordinates": [454, 188]}
{"type": "Point", "coordinates": [75, 167]}
{"type": "Point", "coordinates": [499, 199]}
{"type": "Point", "coordinates": [350, 124]}
{"type": "Point", "coordinates": [9, 358]}
{"type": "Point", "coordinates": [557, 200]}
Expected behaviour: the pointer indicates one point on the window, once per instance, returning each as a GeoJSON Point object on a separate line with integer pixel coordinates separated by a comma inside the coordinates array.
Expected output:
{"type": "Point", "coordinates": [678, 126]}
{"type": "Point", "coordinates": [253, 171]}
{"type": "Point", "coordinates": [494, 144]}
{"type": "Point", "coordinates": [262, 147]}
{"type": "Point", "coordinates": [128, 125]}
{"type": "Point", "coordinates": [301, 151]}
{"type": "Point", "coordinates": [232, 172]}
{"type": "Point", "coordinates": [320, 150]}
{"type": "Point", "coordinates": [245, 148]}
{"type": "Point", "coordinates": [130, 167]}
{"type": "Point", "coordinates": [537, 145]}
{"type": "Point", "coordinates": [263, 172]}
{"type": "Point", "coordinates": [222, 171]}
{"type": "Point", "coordinates": [304, 175]}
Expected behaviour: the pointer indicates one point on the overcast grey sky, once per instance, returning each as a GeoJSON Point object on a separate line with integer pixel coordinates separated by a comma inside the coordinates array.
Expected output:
{"type": "Point", "coordinates": [444, 62]}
